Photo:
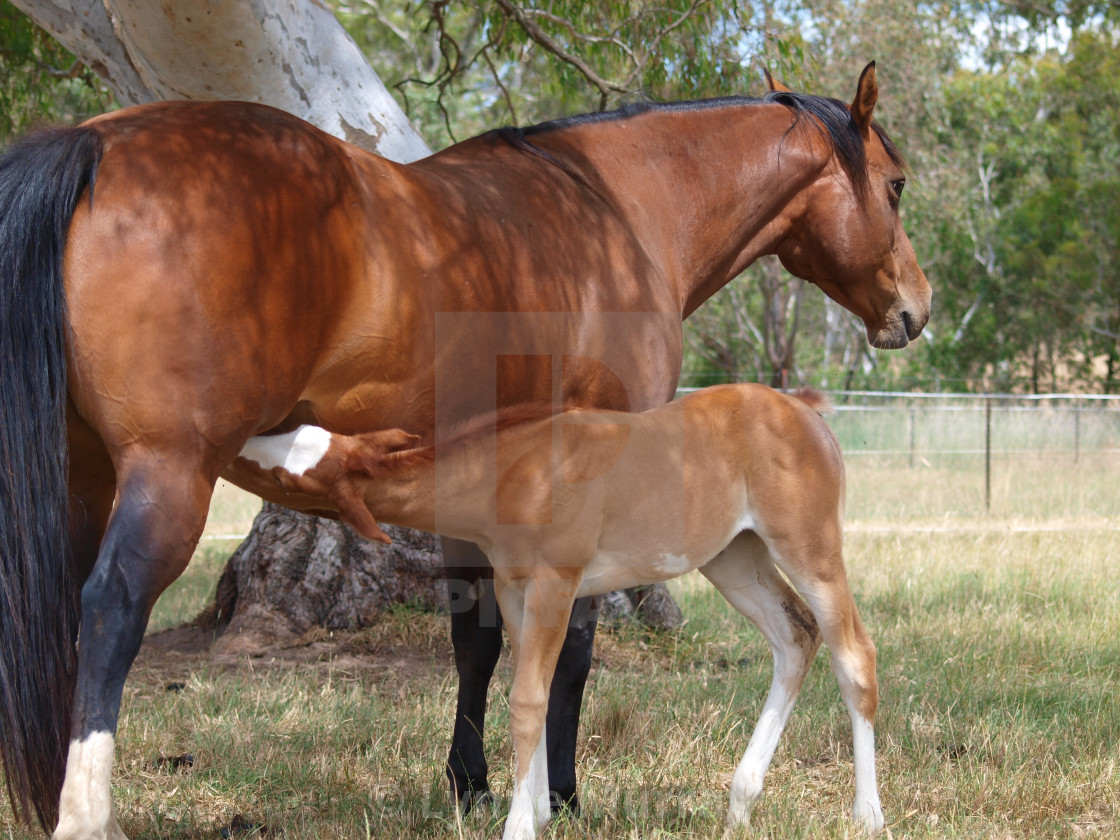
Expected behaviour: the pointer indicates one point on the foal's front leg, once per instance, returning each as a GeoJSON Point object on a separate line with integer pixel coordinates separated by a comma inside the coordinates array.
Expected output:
{"type": "Point", "coordinates": [537, 611]}
{"type": "Point", "coordinates": [476, 633]}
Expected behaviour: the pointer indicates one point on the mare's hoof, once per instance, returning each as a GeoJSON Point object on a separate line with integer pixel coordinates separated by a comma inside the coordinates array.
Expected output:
{"type": "Point", "coordinates": [475, 799]}
{"type": "Point", "coordinates": [239, 826]}
{"type": "Point", "coordinates": [563, 803]}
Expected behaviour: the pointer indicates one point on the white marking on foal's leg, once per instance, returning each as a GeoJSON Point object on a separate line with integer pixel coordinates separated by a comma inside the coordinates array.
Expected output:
{"type": "Point", "coordinates": [746, 784]}
{"type": "Point", "coordinates": [297, 452]}
{"type": "Point", "coordinates": [867, 812]}
{"type": "Point", "coordinates": [530, 809]}
{"type": "Point", "coordinates": [86, 806]}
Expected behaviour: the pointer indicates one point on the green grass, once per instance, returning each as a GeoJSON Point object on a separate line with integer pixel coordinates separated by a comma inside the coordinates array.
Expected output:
{"type": "Point", "coordinates": [999, 662]}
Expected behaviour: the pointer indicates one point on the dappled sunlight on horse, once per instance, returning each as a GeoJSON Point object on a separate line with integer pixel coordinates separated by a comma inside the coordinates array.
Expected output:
{"type": "Point", "coordinates": [176, 278]}
{"type": "Point", "coordinates": [737, 481]}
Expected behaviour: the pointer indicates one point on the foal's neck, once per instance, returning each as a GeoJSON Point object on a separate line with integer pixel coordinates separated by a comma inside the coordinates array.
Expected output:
{"type": "Point", "coordinates": [449, 498]}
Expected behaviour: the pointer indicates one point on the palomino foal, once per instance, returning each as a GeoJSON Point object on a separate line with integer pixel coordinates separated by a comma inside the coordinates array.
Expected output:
{"type": "Point", "coordinates": [738, 481]}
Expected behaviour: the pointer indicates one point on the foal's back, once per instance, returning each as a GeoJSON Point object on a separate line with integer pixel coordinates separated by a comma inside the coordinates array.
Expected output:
{"type": "Point", "coordinates": [645, 497]}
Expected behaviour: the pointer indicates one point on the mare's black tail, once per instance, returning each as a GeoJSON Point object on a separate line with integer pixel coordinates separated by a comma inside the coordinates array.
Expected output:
{"type": "Point", "coordinates": [41, 180]}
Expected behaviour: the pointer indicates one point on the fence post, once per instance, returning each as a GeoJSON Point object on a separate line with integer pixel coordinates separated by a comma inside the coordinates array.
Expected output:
{"type": "Point", "coordinates": [987, 454]}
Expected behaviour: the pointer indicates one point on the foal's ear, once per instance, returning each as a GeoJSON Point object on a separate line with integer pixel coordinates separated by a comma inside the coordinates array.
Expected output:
{"type": "Point", "coordinates": [867, 94]}
{"type": "Point", "coordinates": [384, 441]}
{"type": "Point", "coordinates": [773, 83]}
{"type": "Point", "coordinates": [396, 440]}
{"type": "Point", "coordinates": [361, 520]}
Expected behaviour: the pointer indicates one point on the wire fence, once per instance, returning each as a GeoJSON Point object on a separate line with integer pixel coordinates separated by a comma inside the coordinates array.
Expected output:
{"type": "Point", "coordinates": [1016, 442]}
{"type": "Point", "coordinates": [919, 455]}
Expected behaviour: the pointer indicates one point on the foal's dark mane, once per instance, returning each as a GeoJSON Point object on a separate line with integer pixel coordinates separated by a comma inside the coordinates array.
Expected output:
{"type": "Point", "coordinates": [830, 116]}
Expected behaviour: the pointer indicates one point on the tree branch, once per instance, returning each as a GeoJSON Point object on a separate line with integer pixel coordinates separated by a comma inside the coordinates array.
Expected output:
{"type": "Point", "coordinates": [546, 42]}
{"type": "Point", "coordinates": [73, 72]}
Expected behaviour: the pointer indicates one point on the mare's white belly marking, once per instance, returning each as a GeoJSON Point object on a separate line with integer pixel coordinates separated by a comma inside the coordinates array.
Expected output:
{"type": "Point", "coordinates": [297, 452]}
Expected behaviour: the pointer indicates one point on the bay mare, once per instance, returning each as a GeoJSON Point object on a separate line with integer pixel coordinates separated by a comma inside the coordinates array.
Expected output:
{"type": "Point", "coordinates": [738, 481]}
{"type": "Point", "coordinates": [176, 278]}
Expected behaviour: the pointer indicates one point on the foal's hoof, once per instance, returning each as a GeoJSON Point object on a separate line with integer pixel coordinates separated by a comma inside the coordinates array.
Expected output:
{"type": "Point", "coordinates": [868, 816]}
{"type": "Point", "coordinates": [561, 804]}
{"type": "Point", "coordinates": [475, 799]}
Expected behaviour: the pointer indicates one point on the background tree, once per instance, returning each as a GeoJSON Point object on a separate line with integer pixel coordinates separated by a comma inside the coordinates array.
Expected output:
{"type": "Point", "coordinates": [40, 79]}
{"type": "Point", "coordinates": [1008, 113]}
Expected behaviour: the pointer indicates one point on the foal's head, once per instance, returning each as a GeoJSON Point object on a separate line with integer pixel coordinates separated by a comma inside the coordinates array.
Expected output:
{"type": "Point", "coordinates": [848, 239]}
{"type": "Point", "coordinates": [342, 474]}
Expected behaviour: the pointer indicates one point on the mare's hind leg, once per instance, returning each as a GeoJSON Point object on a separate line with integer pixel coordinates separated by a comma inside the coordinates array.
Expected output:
{"type": "Point", "coordinates": [151, 534]}
{"type": "Point", "coordinates": [746, 577]}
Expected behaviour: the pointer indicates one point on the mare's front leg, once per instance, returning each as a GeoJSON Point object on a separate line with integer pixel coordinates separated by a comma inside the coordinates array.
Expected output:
{"type": "Point", "coordinates": [537, 611]}
{"type": "Point", "coordinates": [150, 537]}
{"type": "Point", "coordinates": [565, 703]}
{"type": "Point", "coordinates": [476, 634]}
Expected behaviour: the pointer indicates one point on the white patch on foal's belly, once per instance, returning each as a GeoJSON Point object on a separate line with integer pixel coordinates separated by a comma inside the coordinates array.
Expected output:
{"type": "Point", "coordinates": [673, 565]}
{"type": "Point", "coordinates": [611, 570]}
{"type": "Point", "coordinates": [297, 452]}
{"type": "Point", "coordinates": [746, 522]}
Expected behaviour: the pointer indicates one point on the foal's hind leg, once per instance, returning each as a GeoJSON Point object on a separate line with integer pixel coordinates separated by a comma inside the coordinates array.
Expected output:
{"type": "Point", "coordinates": [151, 534]}
{"type": "Point", "coordinates": [824, 585]}
{"type": "Point", "coordinates": [746, 577]}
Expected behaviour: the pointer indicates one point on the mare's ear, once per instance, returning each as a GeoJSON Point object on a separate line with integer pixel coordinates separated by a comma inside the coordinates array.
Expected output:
{"type": "Point", "coordinates": [773, 83]}
{"type": "Point", "coordinates": [867, 94]}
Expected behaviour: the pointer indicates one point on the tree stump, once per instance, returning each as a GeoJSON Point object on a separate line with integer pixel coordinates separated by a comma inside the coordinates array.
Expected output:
{"type": "Point", "coordinates": [296, 572]}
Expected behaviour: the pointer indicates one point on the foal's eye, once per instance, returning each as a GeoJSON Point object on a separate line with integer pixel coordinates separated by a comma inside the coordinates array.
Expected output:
{"type": "Point", "coordinates": [898, 186]}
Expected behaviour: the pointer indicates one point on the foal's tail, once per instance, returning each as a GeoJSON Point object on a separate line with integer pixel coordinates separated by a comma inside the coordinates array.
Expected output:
{"type": "Point", "coordinates": [41, 180]}
{"type": "Point", "coordinates": [815, 400]}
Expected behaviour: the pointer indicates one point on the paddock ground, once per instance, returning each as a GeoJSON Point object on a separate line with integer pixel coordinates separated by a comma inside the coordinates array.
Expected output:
{"type": "Point", "coordinates": [999, 660]}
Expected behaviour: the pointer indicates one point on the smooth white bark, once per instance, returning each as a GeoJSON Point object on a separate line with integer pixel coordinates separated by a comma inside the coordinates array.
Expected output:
{"type": "Point", "coordinates": [291, 54]}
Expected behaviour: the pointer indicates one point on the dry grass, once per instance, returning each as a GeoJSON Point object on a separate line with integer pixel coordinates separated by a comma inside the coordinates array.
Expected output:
{"type": "Point", "coordinates": [999, 643]}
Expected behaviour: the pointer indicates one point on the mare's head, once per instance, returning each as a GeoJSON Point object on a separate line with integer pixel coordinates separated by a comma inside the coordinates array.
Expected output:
{"type": "Point", "coordinates": [847, 237]}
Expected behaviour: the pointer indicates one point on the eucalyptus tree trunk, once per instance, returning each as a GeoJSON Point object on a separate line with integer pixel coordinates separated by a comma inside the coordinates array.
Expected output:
{"type": "Point", "coordinates": [294, 571]}
{"type": "Point", "coordinates": [291, 54]}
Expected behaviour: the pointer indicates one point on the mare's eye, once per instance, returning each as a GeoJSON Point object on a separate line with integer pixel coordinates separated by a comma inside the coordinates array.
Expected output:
{"type": "Point", "coordinates": [898, 186]}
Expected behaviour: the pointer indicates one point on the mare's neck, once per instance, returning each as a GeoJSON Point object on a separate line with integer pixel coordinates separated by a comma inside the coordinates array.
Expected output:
{"type": "Point", "coordinates": [708, 190]}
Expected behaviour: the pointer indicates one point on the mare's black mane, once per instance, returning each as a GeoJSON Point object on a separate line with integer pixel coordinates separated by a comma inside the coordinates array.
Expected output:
{"type": "Point", "coordinates": [830, 115]}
